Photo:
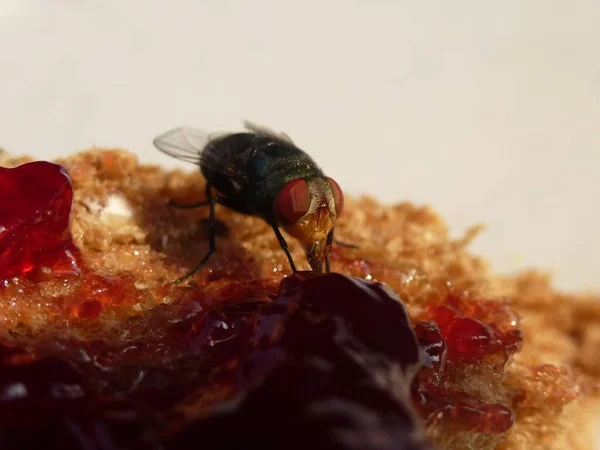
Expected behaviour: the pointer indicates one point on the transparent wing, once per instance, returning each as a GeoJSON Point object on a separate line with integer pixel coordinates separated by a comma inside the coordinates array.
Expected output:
{"type": "Point", "coordinates": [183, 143]}
{"type": "Point", "coordinates": [264, 131]}
{"type": "Point", "coordinates": [195, 146]}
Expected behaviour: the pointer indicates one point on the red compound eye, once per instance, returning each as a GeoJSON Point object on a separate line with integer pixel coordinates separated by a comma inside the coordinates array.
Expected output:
{"type": "Point", "coordinates": [292, 202]}
{"type": "Point", "coordinates": [338, 196]}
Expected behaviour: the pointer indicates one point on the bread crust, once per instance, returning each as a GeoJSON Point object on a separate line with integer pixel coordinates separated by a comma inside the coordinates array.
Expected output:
{"type": "Point", "coordinates": [122, 223]}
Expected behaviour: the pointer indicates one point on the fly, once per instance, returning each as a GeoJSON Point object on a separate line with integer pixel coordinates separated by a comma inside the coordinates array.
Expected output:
{"type": "Point", "coordinates": [264, 174]}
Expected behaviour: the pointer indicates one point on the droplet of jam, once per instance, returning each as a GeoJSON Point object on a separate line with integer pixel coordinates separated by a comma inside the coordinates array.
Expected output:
{"type": "Point", "coordinates": [459, 332]}
{"type": "Point", "coordinates": [476, 329]}
{"type": "Point", "coordinates": [89, 309]}
{"type": "Point", "coordinates": [36, 201]}
{"type": "Point", "coordinates": [471, 339]}
{"type": "Point", "coordinates": [433, 346]}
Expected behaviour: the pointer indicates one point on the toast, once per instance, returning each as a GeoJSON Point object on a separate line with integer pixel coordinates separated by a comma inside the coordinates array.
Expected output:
{"type": "Point", "coordinates": [518, 370]}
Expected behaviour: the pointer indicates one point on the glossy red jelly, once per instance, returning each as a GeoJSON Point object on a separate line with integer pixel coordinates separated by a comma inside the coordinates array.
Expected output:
{"type": "Point", "coordinates": [36, 203]}
{"type": "Point", "coordinates": [317, 369]}
{"type": "Point", "coordinates": [451, 342]}
{"type": "Point", "coordinates": [476, 328]}
{"type": "Point", "coordinates": [324, 363]}
{"type": "Point", "coordinates": [317, 364]}
{"type": "Point", "coordinates": [441, 401]}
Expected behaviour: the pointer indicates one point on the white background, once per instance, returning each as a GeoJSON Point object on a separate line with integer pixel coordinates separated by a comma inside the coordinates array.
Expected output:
{"type": "Point", "coordinates": [488, 111]}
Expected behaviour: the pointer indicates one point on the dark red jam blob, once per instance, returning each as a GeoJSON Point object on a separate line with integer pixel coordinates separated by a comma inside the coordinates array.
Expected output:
{"type": "Point", "coordinates": [476, 329]}
{"type": "Point", "coordinates": [450, 342]}
{"type": "Point", "coordinates": [47, 403]}
{"type": "Point", "coordinates": [322, 368]}
{"type": "Point", "coordinates": [326, 363]}
{"type": "Point", "coordinates": [36, 203]}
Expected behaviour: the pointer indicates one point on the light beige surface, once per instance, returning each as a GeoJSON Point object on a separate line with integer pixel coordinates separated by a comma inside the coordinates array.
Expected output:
{"type": "Point", "coordinates": [498, 102]}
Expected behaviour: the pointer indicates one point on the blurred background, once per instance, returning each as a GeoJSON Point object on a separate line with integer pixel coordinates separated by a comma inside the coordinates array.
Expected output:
{"type": "Point", "coordinates": [487, 111]}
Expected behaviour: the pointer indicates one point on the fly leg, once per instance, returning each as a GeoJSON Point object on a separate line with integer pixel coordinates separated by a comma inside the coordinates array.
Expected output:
{"type": "Point", "coordinates": [212, 247]}
{"type": "Point", "coordinates": [345, 245]}
{"type": "Point", "coordinates": [189, 205]}
{"type": "Point", "coordinates": [284, 246]}
{"type": "Point", "coordinates": [328, 244]}
{"type": "Point", "coordinates": [234, 205]}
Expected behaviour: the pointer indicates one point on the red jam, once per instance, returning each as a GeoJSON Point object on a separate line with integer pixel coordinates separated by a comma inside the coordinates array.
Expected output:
{"type": "Point", "coordinates": [476, 328]}
{"type": "Point", "coordinates": [440, 401]}
{"type": "Point", "coordinates": [36, 203]}
{"type": "Point", "coordinates": [451, 343]}
{"type": "Point", "coordinates": [325, 362]}
{"type": "Point", "coordinates": [308, 366]}
{"type": "Point", "coordinates": [313, 367]}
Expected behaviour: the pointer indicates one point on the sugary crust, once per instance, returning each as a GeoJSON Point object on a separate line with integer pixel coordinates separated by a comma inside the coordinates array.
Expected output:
{"type": "Point", "coordinates": [406, 246]}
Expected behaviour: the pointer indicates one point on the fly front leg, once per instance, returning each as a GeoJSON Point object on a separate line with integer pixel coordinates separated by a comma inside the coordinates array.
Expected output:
{"type": "Point", "coordinates": [212, 247]}
{"type": "Point", "coordinates": [345, 244]}
{"type": "Point", "coordinates": [328, 244]}
{"type": "Point", "coordinates": [284, 246]}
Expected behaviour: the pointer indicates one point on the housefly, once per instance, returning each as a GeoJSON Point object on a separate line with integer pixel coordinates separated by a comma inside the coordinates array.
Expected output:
{"type": "Point", "coordinates": [262, 173]}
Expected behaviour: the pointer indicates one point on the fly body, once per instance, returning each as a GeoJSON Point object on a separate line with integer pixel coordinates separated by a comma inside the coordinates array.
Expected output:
{"type": "Point", "coordinates": [264, 174]}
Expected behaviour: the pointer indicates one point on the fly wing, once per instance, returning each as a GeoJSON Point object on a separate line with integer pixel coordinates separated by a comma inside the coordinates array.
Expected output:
{"type": "Point", "coordinates": [185, 144]}
{"type": "Point", "coordinates": [264, 131]}
{"type": "Point", "coordinates": [195, 146]}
